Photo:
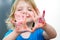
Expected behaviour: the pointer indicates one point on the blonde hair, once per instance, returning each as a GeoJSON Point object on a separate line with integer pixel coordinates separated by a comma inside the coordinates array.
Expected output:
{"type": "Point", "coordinates": [11, 16]}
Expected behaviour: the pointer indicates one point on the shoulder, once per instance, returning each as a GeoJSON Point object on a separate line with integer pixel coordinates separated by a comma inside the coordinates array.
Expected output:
{"type": "Point", "coordinates": [8, 32]}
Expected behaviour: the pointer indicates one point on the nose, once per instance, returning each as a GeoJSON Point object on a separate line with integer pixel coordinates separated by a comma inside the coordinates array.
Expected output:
{"type": "Point", "coordinates": [26, 13]}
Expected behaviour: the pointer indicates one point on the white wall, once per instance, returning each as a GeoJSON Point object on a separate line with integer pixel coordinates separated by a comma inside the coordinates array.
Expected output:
{"type": "Point", "coordinates": [52, 8]}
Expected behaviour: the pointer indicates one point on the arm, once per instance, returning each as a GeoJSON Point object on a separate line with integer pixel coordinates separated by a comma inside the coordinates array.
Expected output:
{"type": "Point", "coordinates": [19, 28]}
{"type": "Point", "coordinates": [49, 32]}
{"type": "Point", "coordinates": [11, 36]}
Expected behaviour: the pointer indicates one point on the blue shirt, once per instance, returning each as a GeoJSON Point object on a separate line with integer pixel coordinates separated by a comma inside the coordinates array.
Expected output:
{"type": "Point", "coordinates": [36, 35]}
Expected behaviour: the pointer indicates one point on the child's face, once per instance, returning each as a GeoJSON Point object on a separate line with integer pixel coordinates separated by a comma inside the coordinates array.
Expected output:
{"type": "Point", "coordinates": [24, 9]}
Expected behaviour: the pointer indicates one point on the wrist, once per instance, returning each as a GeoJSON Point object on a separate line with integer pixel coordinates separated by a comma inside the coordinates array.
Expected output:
{"type": "Point", "coordinates": [16, 33]}
{"type": "Point", "coordinates": [45, 26]}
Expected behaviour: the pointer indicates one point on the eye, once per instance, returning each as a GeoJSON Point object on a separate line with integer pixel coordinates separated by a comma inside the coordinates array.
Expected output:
{"type": "Point", "coordinates": [29, 9]}
{"type": "Point", "coordinates": [19, 10]}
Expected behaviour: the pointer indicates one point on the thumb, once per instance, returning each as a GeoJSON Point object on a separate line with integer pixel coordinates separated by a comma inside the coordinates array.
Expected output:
{"type": "Point", "coordinates": [28, 29]}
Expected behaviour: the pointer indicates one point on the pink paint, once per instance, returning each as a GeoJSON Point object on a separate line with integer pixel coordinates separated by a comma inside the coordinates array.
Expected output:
{"type": "Point", "coordinates": [18, 24]}
{"type": "Point", "coordinates": [43, 13]}
{"type": "Point", "coordinates": [41, 19]}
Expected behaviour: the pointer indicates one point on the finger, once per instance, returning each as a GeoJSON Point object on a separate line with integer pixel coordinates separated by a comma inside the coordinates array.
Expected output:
{"type": "Point", "coordinates": [35, 16]}
{"type": "Point", "coordinates": [32, 16]}
{"type": "Point", "coordinates": [26, 27]}
{"type": "Point", "coordinates": [43, 14]}
{"type": "Point", "coordinates": [41, 19]}
{"type": "Point", "coordinates": [29, 29]}
{"type": "Point", "coordinates": [39, 25]}
{"type": "Point", "coordinates": [24, 18]}
{"type": "Point", "coordinates": [36, 26]}
{"type": "Point", "coordinates": [38, 12]}
{"type": "Point", "coordinates": [18, 24]}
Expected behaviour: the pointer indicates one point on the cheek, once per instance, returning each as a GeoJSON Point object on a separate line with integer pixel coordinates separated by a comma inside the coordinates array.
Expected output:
{"type": "Point", "coordinates": [31, 13]}
{"type": "Point", "coordinates": [18, 13]}
{"type": "Point", "coordinates": [18, 16]}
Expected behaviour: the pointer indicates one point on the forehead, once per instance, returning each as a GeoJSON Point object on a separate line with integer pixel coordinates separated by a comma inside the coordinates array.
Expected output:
{"type": "Point", "coordinates": [23, 4]}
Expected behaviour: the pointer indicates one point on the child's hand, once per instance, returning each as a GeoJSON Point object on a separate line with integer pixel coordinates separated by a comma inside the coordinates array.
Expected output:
{"type": "Point", "coordinates": [41, 21]}
{"type": "Point", "coordinates": [20, 26]}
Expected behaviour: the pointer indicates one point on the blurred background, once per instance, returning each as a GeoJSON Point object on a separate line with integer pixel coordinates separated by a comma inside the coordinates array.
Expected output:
{"type": "Point", "coordinates": [5, 6]}
{"type": "Point", "coordinates": [52, 8]}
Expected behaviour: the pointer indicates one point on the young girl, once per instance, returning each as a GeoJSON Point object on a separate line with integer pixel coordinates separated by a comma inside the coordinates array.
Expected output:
{"type": "Point", "coordinates": [27, 24]}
